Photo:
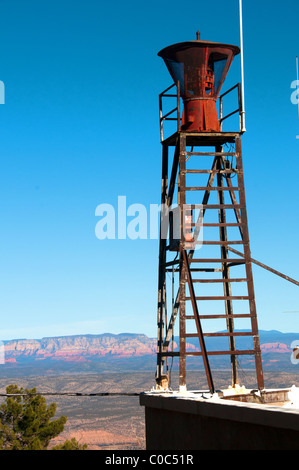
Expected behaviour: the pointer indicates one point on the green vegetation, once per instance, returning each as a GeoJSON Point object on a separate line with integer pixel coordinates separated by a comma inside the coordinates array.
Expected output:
{"type": "Point", "coordinates": [26, 422]}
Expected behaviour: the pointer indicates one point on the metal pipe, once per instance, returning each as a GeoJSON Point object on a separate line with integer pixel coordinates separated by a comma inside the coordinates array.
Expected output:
{"type": "Point", "coordinates": [243, 128]}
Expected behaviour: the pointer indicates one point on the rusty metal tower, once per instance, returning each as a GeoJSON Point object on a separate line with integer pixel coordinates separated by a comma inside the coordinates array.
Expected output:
{"type": "Point", "coordinates": [202, 168]}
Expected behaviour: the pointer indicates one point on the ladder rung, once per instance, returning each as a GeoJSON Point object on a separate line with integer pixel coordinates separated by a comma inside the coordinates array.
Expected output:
{"type": "Point", "coordinates": [223, 297]}
{"type": "Point", "coordinates": [237, 352]}
{"type": "Point", "coordinates": [206, 281]}
{"type": "Point", "coordinates": [219, 353]}
{"type": "Point", "coordinates": [201, 270]}
{"type": "Point", "coordinates": [217, 260]}
{"type": "Point", "coordinates": [212, 335]}
{"type": "Point", "coordinates": [209, 188]}
{"type": "Point", "coordinates": [219, 206]}
{"type": "Point", "coordinates": [235, 333]}
{"type": "Point", "coordinates": [189, 245]}
{"type": "Point", "coordinates": [226, 172]}
{"type": "Point", "coordinates": [214, 224]}
{"type": "Point", "coordinates": [218, 242]}
{"type": "Point", "coordinates": [214, 206]}
{"type": "Point", "coordinates": [210, 154]}
{"type": "Point", "coordinates": [214, 316]}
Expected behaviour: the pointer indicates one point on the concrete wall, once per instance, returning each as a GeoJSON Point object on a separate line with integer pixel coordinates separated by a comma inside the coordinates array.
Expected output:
{"type": "Point", "coordinates": [174, 423]}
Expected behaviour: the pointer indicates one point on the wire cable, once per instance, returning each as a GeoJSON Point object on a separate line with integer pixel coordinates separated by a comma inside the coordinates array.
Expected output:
{"type": "Point", "coordinates": [72, 394]}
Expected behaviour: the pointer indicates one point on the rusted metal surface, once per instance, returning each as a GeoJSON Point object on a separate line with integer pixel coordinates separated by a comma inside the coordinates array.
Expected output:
{"type": "Point", "coordinates": [182, 280]}
{"type": "Point", "coordinates": [226, 273]}
{"type": "Point", "coordinates": [194, 64]}
{"type": "Point", "coordinates": [186, 263]}
{"type": "Point", "coordinates": [218, 175]}
{"type": "Point", "coordinates": [198, 324]}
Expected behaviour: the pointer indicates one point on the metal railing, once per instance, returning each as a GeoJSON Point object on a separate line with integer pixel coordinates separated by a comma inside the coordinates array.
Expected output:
{"type": "Point", "coordinates": [169, 115]}
{"type": "Point", "coordinates": [238, 110]}
{"type": "Point", "coordinates": [177, 109]}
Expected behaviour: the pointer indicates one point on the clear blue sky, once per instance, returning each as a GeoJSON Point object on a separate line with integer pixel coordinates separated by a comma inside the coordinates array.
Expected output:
{"type": "Point", "coordinates": [80, 127]}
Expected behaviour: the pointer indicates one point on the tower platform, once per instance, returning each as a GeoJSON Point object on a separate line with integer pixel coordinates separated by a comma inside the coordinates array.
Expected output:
{"type": "Point", "coordinates": [252, 420]}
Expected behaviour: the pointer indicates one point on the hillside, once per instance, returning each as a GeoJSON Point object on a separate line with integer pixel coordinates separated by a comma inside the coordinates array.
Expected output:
{"type": "Point", "coordinates": [79, 347]}
{"type": "Point", "coordinates": [135, 351]}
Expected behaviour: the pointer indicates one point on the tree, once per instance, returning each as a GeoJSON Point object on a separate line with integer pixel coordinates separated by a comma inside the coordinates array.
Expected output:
{"type": "Point", "coordinates": [70, 445]}
{"type": "Point", "coordinates": [26, 422]}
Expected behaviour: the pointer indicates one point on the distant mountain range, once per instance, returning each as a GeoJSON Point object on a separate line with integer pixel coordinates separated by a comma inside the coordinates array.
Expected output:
{"type": "Point", "coordinates": [79, 348]}
{"type": "Point", "coordinates": [83, 352]}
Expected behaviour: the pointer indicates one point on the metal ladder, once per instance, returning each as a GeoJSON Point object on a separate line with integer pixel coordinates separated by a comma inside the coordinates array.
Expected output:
{"type": "Point", "coordinates": [199, 272]}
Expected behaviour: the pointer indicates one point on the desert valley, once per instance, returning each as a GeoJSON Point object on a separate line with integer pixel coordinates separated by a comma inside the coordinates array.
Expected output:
{"type": "Point", "coordinates": [125, 363]}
